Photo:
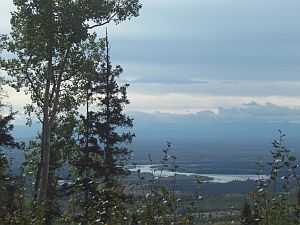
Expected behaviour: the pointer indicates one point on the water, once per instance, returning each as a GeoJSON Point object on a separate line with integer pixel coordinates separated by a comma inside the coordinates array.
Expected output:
{"type": "Point", "coordinates": [213, 178]}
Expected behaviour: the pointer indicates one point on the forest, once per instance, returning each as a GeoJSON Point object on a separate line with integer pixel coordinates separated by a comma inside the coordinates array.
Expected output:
{"type": "Point", "coordinates": [54, 55]}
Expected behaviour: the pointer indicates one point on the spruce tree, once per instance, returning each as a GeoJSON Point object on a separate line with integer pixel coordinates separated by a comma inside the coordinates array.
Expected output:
{"type": "Point", "coordinates": [99, 161]}
{"type": "Point", "coordinates": [110, 120]}
{"type": "Point", "coordinates": [7, 184]}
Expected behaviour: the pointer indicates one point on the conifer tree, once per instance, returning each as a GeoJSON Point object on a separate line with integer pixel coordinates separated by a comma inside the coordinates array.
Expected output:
{"type": "Point", "coordinates": [44, 35]}
{"type": "Point", "coordinates": [99, 161]}
{"type": "Point", "coordinates": [7, 186]}
{"type": "Point", "coordinates": [109, 122]}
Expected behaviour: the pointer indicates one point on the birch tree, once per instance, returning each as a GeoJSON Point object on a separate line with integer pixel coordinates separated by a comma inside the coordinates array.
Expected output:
{"type": "Point", "coordinates": [44, 35]}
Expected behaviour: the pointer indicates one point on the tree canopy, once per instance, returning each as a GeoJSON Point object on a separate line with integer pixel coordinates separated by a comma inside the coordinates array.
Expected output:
{"type": "Point", "coordinates": [45, 34]}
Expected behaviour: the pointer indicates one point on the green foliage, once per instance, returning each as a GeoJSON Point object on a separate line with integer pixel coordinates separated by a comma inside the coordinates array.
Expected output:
{"type": "Point", "coordinates": [11, 186]}
{"type": "Point", "coordinates": [158, 203]}
{"type": "Point", "coordinates": [47, 39]}
{"type": "Point", "coordinates": [62, 66]}
{"type": "Point", "coordinates": [99, 153]}
{"type": "Point", "coordinates": [271, 197]}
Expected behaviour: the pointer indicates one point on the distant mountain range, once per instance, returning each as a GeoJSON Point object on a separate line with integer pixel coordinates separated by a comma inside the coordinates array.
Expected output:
{"type": "Point", "coordinates": [230, 124]}
{"type": "Point", "coordinates": [230, 138]}
{"type": "Point", "coordinates": [250, 124]}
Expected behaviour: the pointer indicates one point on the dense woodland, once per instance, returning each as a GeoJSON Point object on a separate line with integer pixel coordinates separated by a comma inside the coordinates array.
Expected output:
{"type": "Point", "coordinates": [65, 68]}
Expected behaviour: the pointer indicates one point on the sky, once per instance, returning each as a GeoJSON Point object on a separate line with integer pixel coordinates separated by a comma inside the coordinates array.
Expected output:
{"type": "Point", "coordinates": [193, 55]}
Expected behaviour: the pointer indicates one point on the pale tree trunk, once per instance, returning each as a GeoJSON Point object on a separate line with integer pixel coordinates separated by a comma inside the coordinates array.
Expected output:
{"type": "Point", "coordinates": [45, 157]}
{"type": "Point", "coordinates": [46, 148]}
{"type": "Point", "coordinates": [48, 123]}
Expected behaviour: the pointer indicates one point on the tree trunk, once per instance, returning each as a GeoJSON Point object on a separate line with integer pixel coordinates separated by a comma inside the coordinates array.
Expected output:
{"type": "Point", "coordinates": [45, 157]}
{"type": "Point", "coordinates": [45, 149]}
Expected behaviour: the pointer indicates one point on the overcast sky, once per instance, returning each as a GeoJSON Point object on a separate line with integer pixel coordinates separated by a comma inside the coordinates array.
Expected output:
{"type": "Point", "coordinates": [183, 56]}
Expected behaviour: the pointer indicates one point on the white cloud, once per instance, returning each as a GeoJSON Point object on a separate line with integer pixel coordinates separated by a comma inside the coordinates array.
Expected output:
{"type": "Point", "coordinates": [253, 112]}
{"type": "Point", "coordinates": [185, 104]}
{"type": "Point", "coordinates": [18, 100]}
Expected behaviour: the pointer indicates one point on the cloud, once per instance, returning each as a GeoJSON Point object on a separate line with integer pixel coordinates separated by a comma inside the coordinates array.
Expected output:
{"type": "Point", "coordinates": [155, 85]}
{"type": "Point", "coordinates": [204, 39]}
{"type": "Point", "coordinates": [165, 80]}
{"type": "Point", "coordinates": [186, 56]}
{"type": "Point", "coordinates": [252, 103]}
{"type": "Point", "coordinates": [253, 111]}
{"type": "Point", "coordinates": [212, 40]}
{"type": "Point", "coordinates": [247, 112]}
{"type": "Point", "coordinates": [191, 103]}
{"type": "Point", "coordinates": [256, 122]}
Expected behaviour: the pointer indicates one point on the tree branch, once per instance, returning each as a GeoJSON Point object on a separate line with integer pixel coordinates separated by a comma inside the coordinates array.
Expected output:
{"type": "Point", "coordinates": [31, 81]}
{"type": "Point", "coordinates": [101, 24]}
{"type": "Point", "coordinates": [59, 81]}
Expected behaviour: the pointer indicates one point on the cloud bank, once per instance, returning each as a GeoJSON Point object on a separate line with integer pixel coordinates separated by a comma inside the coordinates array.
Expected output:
{"type": "Point", "coordinates": [248, 112]}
